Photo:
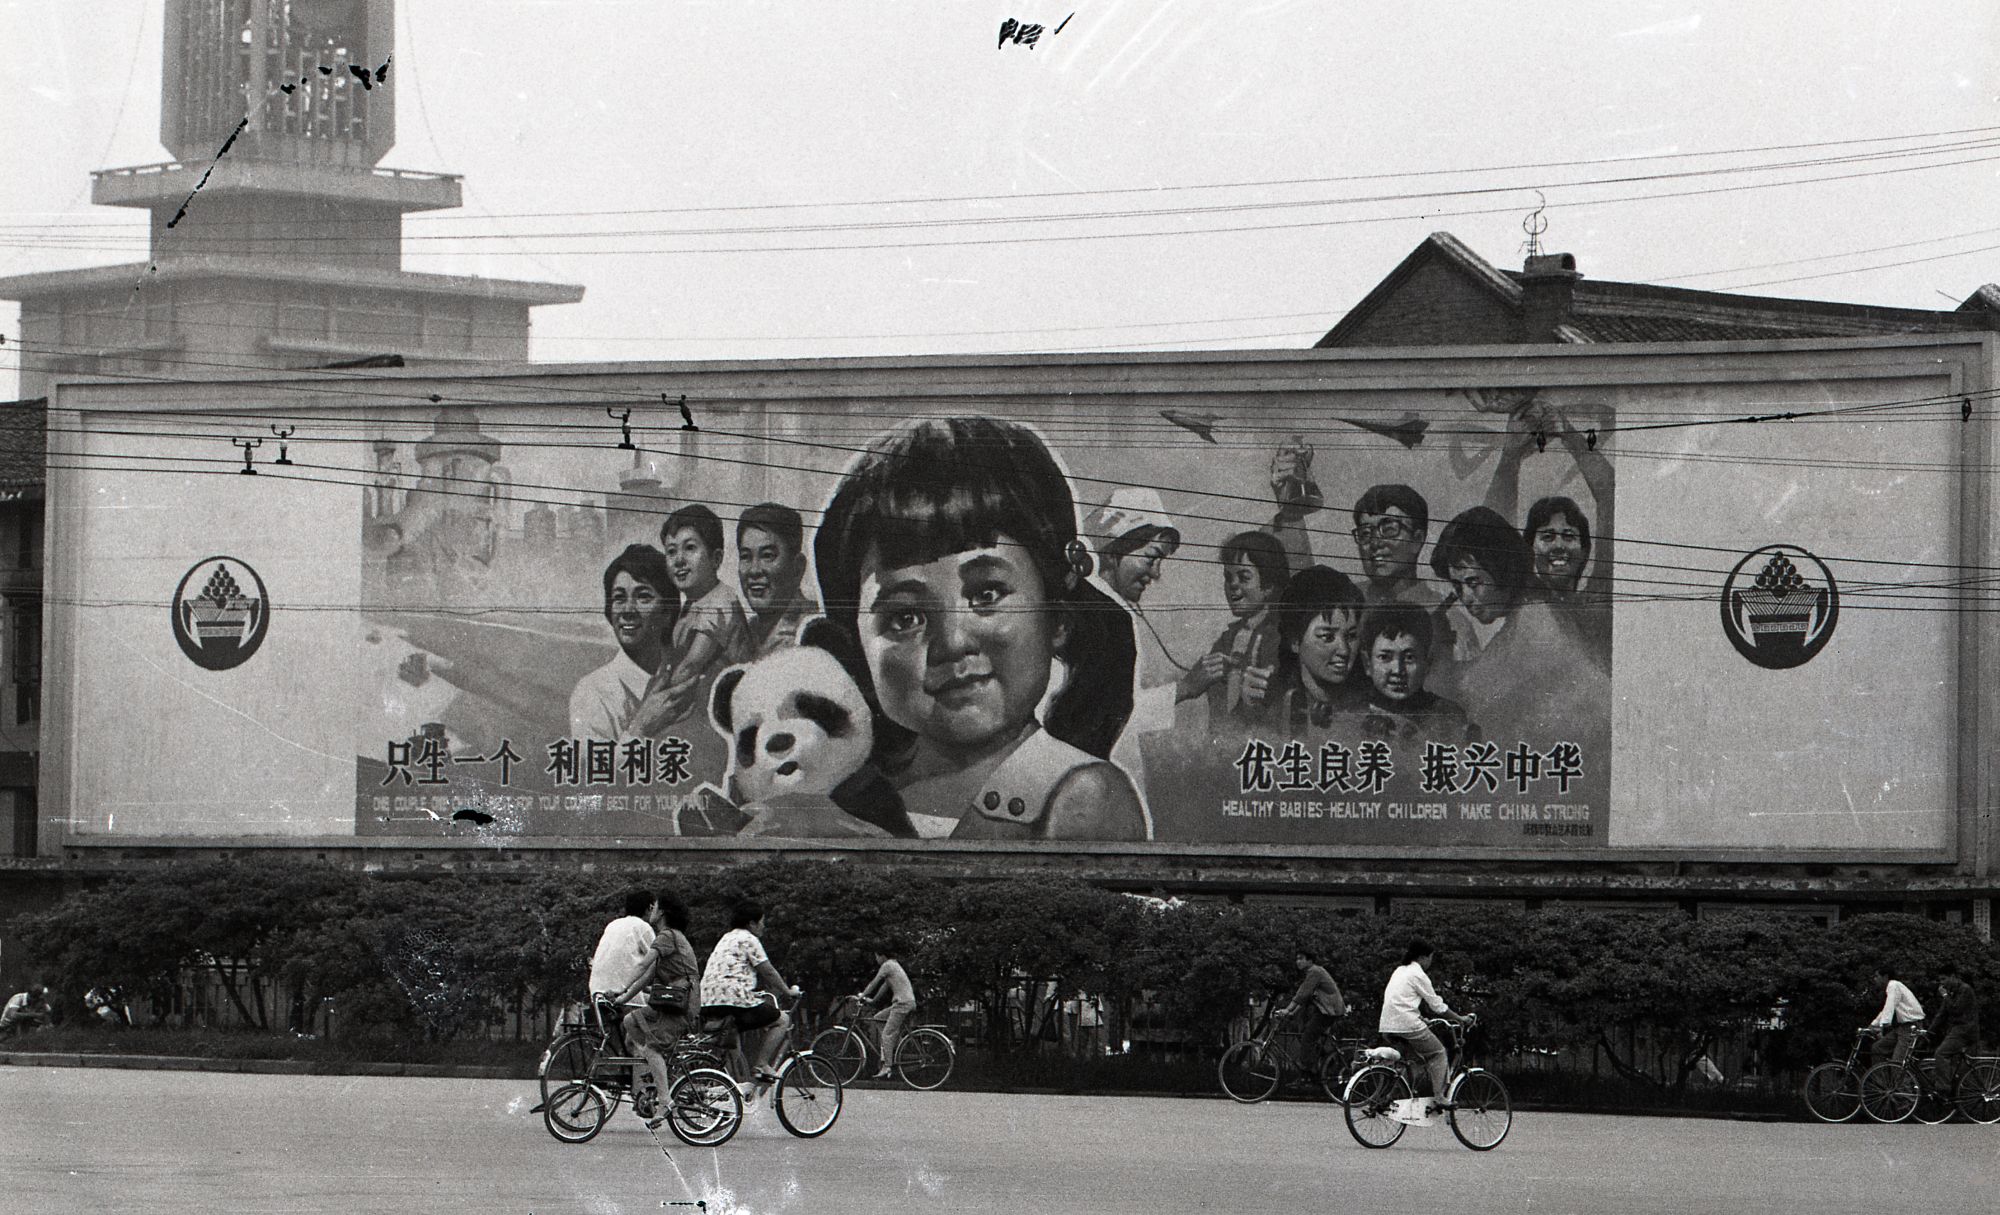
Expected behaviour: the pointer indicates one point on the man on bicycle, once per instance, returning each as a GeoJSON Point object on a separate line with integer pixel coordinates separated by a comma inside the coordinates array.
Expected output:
{"type": "Point", "coordinates": [1957, 1026]}
{"type": "Point", "coordinates": [890, 983]}
{"type": "Point", "coordinates": [1404, 1001]}
{"type": "Point", "coordinates": [730, 987]}
{"type": "Point", "coordinates": [1320, 997]}
{"type": "Point", "coordinates": [624, 948]}
{"type": "Point", "coordinates": [1899, 1020]}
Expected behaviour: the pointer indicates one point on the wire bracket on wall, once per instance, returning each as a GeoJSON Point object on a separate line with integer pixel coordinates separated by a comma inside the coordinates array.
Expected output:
{"type": "Point", "coordinates": [1541, 440]}
{"type": "Point", "coordinates": [248, 445]}
{"type": "Point", "coordinates": [1965, 410]}
{"type": "Point", "coordinates": [687, 415]}
{"type": "Point", "coordinates": [624, 421]}
{"type": "Point", "coordinates": [284, 452]}
{"type": "Point", "coordinates": [1590, 439]}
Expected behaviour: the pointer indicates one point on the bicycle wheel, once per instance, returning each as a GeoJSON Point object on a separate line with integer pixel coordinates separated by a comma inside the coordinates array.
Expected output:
{"type": "Point", "coordinates": [1371, 1095]}
{"type": "Point", "coordinates": [925, 1057]}
{"type": "Point", "coordinates": [1480, 1113]}
{"type": "Point", "coordinates": [1889, 1092]}
{"type": "Point", "coordinates": [575, 1112]}
{"type": "Point", "coordinates": [566, 1061]}
{"type": "Point", "coordinates": [1249, 1071]}
{"type": "Point", "coordinates": [704, 1108]}
{"type": "Point", "coordinates": [1933, 1105]}
{"type": "Point", "coordinates": [808, 1096]}
{"type": "Point", "coordinates": [1334, 1072]}
{"type": "Point", "coordinates": [1979, 1093]}
{"type": "Point", "coordinates": [1833, 1092]}
{"type": "Point", "coordinates": [843, 1049]}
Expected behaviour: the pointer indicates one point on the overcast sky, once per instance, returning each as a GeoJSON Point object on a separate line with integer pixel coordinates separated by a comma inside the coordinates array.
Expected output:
{"type": "Point", "coordinates": [574, 106]}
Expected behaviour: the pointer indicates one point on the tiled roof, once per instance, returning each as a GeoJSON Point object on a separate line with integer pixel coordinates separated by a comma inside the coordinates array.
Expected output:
{"type": "Point", "coordinates": [24, 444]}
{"type": "Point", "coordinates": [1687, 329]}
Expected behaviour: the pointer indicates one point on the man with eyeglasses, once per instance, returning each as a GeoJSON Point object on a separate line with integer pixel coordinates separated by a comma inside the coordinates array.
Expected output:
{"type": "Point", "coordinates": [1390, 524]}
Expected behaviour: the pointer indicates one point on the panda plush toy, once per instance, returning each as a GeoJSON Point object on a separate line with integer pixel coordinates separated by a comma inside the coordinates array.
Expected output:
{"type": "Point", "coordinates": [801, 737]}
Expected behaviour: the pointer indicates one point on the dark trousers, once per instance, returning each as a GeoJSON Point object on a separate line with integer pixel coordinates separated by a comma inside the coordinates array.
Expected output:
{"type": "Point", "coordinates": [1311, 1022]}
{"type": "Point", "coordinates": [1956, 1043]}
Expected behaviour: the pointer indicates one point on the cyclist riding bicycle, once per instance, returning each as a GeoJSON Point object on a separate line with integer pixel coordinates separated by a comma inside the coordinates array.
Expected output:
{"type": "Point", "coordinates": [1320, 997]}
{"type": "Point", "coordinates": [738, 986]}
{"type": "Point", "coordinates": [663, 993]}
{"type": "Point", "coordinates": [624, 948]}
{"type": "Point", "coordinates": [891, 983]}
{"type": "Point", "coordinates": [1404, 1002]}
{"type": "Point", "coordinates": [1900, 1019]}
{"type": "Point", "coordinates": [1957, 1026]}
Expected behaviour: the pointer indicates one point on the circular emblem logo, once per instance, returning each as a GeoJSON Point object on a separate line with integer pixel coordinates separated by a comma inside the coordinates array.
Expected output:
{"type": "Point", "coordinates": [220, 613]}
{"type": "Point", "coordinates": [1779, 606]}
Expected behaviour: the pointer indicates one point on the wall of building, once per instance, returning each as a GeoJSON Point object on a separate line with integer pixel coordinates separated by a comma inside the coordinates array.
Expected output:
{"type": "Point", "coordinates": [1436, 305]}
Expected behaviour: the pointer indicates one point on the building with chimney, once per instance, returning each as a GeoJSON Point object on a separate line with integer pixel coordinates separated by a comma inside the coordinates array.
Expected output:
{"type": "Point", "coordinates": [1444, 294]}
{"type": "Point", "coordinates": [276, 232]}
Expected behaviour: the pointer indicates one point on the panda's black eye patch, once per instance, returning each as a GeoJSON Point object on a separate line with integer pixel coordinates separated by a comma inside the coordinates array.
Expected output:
{"type": "Point", "coordinates": [746, 747]}
{"type": "Point", "coordinates": [829, 715]}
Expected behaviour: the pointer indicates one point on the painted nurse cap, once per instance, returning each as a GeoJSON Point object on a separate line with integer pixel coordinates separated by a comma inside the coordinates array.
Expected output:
{"type": "Point", "coordinates": [1128, 510]}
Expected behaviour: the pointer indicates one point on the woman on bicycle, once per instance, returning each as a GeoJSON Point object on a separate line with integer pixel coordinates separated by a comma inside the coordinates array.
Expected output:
{"type": "Point", "coordinates": [672, 974]}
{"type": "Point", "coordinates": [1404, 1002]}
{"type": "Point", "coordinates": [730, 987]}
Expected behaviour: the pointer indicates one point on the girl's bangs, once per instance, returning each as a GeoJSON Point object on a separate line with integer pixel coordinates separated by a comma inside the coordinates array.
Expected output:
{"type": "Point", "coordinates": [916, 524]}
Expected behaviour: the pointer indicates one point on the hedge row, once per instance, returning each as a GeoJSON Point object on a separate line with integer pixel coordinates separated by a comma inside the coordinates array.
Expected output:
{"type": "Point", "coordinates": [434, 957]}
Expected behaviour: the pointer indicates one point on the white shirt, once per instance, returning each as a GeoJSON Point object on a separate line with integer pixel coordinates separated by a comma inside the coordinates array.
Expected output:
{"type": "Point", "coordinates": [731, 976]}
{"type": "Point", "coordinates": [1404, 1000]}
{"type": "Point", "coordinates": [621, 952]}
{"type": "Point", "coordinates": [1899, 1005]}
{"type": "Point", "coordinates": [605, 699]}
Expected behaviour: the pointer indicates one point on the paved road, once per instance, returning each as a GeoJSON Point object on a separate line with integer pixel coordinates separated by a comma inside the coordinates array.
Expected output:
{"type": "Point", "coordinates": [105, 1140]}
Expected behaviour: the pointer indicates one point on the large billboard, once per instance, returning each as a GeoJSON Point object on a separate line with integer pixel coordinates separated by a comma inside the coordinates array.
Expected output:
{"type": "Point", "coordinates": [1469, 610]}
{"type": "Point", "coordinates": [1379, 636]}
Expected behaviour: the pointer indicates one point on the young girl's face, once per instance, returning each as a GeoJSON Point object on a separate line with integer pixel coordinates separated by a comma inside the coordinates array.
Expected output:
{"type": "Point", "coordinates": [959, 647]}
{"type": "Point", "coordinates": [1326, 652]}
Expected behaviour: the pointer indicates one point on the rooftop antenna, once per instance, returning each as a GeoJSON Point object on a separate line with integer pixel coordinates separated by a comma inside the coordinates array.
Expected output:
{"type": "Point", "coordinates": [1536, 224]}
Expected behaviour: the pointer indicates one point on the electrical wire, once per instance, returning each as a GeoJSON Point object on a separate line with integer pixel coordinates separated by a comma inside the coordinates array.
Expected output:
{"type": "Point", "coordinates": [1427, 215]}
{"type": "Point", "coordinates": [1982, 133]}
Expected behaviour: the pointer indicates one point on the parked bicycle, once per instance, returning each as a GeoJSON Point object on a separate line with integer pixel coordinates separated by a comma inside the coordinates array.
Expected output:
{"type": "Point", "coordinates": [1382, 1103]}
{"type": "Point", "coordinates": [924, 1058]}
{"type": "Point", "coordinates": [1895, 1092]}
{"type": "Point", "coordinates": [588, 1071]}
{"type": "Point", "coordinates": [1253, 1069]}
{"type": "Point", "coordinates": [1833, 1089]}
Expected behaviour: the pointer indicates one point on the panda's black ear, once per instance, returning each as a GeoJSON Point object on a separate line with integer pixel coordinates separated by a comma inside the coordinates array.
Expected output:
{"type": "Point", "coordinates": [719, 698]}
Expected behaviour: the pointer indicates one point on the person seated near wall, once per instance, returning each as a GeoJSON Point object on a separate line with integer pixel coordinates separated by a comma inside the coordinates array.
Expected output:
{"type": "Point", "coordinates": [26, 1010]}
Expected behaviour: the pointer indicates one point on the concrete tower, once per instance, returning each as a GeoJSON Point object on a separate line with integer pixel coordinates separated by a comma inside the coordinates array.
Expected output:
{"type": "Point", "coordinates": [290, 253]}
